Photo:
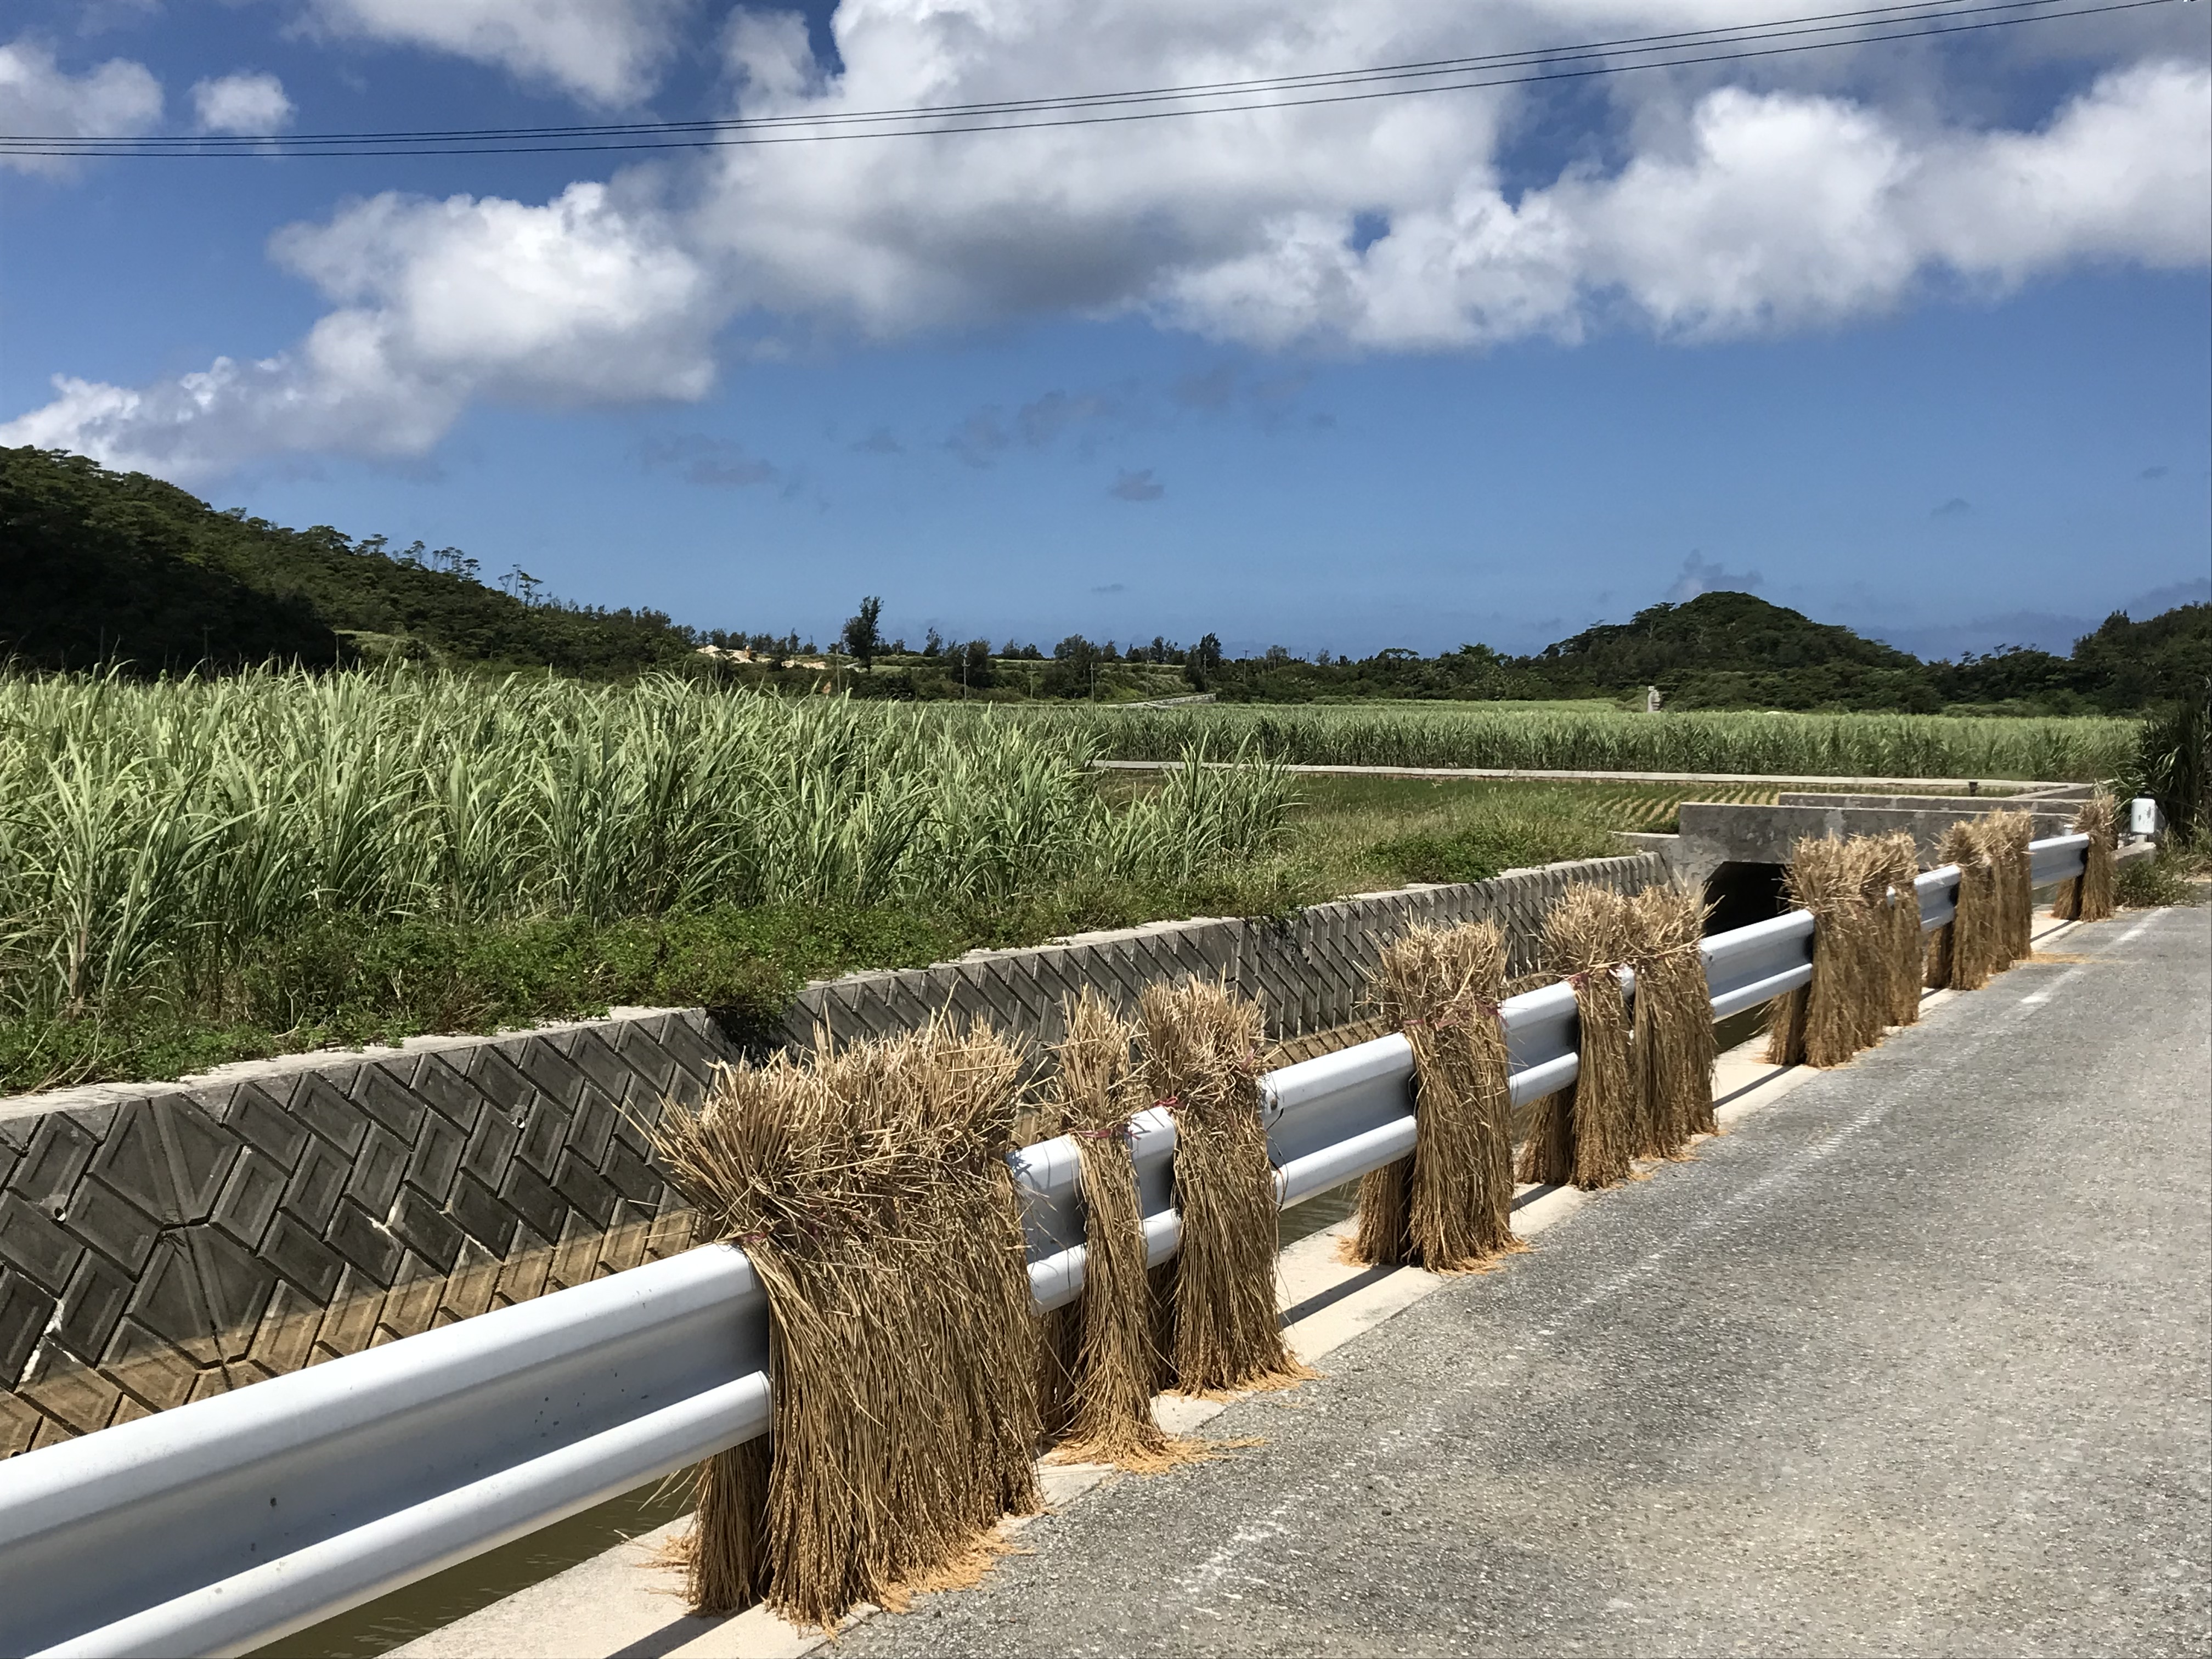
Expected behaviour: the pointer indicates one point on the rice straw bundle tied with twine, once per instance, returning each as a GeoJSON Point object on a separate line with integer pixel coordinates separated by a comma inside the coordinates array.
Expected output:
{"type": "Point", "coordinates": [1448, 1208]}
{"type": "Point", "coordinates": [1840, 1011]}
{"type": "Point", "coordinates": [1198, 1045]}
{"type": "Point", "coordinates": [1673, 1046]}
{"type": "Point", "coordinates": [1115, 1363]}
{"type": "Point", "coordinates": [1585, 1134]}
{"type": "Point", "coordinates": [1894, 867]}
{"type": "Point", "coordinates": [2092, 895]}
{"type": "Point", "coordinates": [869, 1187]}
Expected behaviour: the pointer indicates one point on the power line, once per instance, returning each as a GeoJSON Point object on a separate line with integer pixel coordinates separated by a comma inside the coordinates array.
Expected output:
{"type": "Point", "coordinates": [1912, 9]}
{"type": "Point", "coordinates": [1680, 49]}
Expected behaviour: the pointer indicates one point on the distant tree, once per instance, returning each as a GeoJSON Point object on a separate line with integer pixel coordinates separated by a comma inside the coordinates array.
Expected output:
{"type": "Point", "coordinates": [932, 644]}
{"type": "Point", "coordinates": [1201, 665]}
{"type": "Point", "coordinates": [1278, 655]}
{"type": "Point", "coordinates": [863, 636]}
{"type": "Point", "coordinates": [977, 670]}
{"type": "Point", "coordinates": [1074, 671]}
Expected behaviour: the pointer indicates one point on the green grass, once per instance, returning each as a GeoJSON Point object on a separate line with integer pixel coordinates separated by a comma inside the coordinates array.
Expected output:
{"type": "Point", "coordinates": [204, 869]}
{"type": "Point", "coordinates": [195, 871]}
{"type": "Point", "coordinates": [2177, 876]}
{"type": "Point", "coordinates": [345, 979]}
{"type": "Point", "coordinates": [1596, 739]}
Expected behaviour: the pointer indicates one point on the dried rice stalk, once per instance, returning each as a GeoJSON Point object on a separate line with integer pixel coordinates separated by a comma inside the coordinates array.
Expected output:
{"type": "Point", "coordinates": [2007, 835]}
{"type": "Point", "coordinates": [1974, 939]}
{"type": "Point", "coordinates": [1385, 1237]}
{"type": "Point", "coordinates": [1200, 1046]}
{"type": "Point", "coordinates": [1674, 1048]}
{"type": "Point", "coordinates": [1451, 1209]}
{"type": "Point", "coordinates": [1585, 1133]}
{"type": "Point", "coordinates": [869, 1187]}
{"type": "Point", "coordinates": [1828, 877]}
{"type": "Point", "coordinates": [2090, 895]}
{"type": "Point", "coordinates": [1895, 862]}
{"type": "Point", "coordinates": [725, 1559]}
{"type": "Point", "coordinates": [1785, 1028]}
{"type": "Point", "coordinates": [1115, 1363]}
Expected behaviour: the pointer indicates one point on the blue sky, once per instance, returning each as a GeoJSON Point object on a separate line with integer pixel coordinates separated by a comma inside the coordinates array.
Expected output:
{"type": "Point", "coordinates": [1915, 338]}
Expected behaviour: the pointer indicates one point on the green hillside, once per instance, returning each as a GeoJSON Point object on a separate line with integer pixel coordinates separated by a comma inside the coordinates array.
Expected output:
{"type": "Point", "coordinates": [101, 568]}
{"type": "Point", "coordinates": [1722, 650]}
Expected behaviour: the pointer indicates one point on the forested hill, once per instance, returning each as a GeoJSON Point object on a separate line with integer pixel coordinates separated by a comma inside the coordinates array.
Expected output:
{"type": "Point", "coordinates": [1730, 648]}
{"type": "Point", "coordinates": [1735, 650]}
{"type": "Point", "coordinates": [101, 568]}
{"type": "Point", "coordinates": [98, 567]}
{"type": "Point", "coordinates": [1738, 651]}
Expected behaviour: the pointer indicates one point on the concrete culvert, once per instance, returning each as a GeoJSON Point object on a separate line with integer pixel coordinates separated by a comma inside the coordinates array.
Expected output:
{"type": "Point", "coordinates": [1737, 894]}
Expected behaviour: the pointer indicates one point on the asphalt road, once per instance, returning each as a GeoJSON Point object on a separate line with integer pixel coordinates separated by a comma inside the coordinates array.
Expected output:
{"type": "Point", "coordinates": [1918, 1359]}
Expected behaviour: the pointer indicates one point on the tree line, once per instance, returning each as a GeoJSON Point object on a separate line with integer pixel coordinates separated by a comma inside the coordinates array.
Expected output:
{"type": "Point", "coordinates": [113, 570]}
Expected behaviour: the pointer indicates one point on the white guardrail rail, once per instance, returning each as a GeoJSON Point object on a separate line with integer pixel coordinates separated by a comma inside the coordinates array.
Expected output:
{"type": "Point", "coordinates": [218, 1526]}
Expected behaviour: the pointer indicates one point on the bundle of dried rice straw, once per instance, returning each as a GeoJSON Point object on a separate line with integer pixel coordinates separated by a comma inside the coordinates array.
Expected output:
{"type": "Point", "coordinates": [2090, 896]}
{"type": "Point", "coordinates": [1198, 1045]}
{"type": "Point", "coordinates": [1893, 866]}
{"type": "Point", "coordinates": [1585, 1134]}
{"type": "Point", "coordinates": [2008, 835]}
{"type": "Point", "coordinates": [1828, 1021]}
{"type": "Point", "coordinates": [1969, 949]}
{"type": "Point", "coordinates": [870, 1188]}
{"type": "Point", "coordinates": [1115, 1363]}
{"type": "Point", "coordinates": [1450, 1206]}
{"type": "Point", "coordinates": [1673, 1047]}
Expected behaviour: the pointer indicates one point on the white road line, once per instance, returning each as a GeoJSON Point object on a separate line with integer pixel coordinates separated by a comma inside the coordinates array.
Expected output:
{"type": "Point", "coordinates": [2139, 927]}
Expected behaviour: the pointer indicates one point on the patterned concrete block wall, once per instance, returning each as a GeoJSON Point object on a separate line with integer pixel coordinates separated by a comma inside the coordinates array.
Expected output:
{"type": "Point", "coordinates": [1308, 973]}
{"type": "Point", "coordinates": [159, 1244]}
{"type": "Point", "coordinates": [162, 1242]}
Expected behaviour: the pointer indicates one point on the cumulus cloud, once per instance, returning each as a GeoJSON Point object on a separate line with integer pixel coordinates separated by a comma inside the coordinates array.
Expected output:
{"type": "Point", "coordinates": [118, 99]}
{"type": "Point", "coordinates": [1139, 486]}
{"type": "Point", "coordinates": [603, 52]}
{"type": "Point", "coordinates": [1700, 574]}
{"type": "Point", "coordinates": [1383, 227]}
{"type": "Point", "coordinates": [242, 103]}
{"type": "Point", "coordinates": [583, 301]}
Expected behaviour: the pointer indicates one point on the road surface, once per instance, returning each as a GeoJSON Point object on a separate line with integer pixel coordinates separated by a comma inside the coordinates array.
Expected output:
{"type": "Point", "coordinates": [1914, 1360]}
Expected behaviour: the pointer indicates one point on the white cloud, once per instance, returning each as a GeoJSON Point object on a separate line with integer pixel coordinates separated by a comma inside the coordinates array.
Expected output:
{"type": "Point", "coordinates": [242, 103]}
{"type": "Point", "coordinates": [581, 300]}
{"type": "Point", "coordinates": [118, 99]}
{"type": "Point", "coordinates": [1700, 574]}
{"type": "Point", "coordinates": [1736, 211]}
{"type": "Point", "coordinates": [605, 51]}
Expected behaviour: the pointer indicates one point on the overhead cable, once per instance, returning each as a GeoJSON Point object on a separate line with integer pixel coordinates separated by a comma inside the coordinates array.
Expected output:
{"type": "Point", "coordinates": [1779, 37]}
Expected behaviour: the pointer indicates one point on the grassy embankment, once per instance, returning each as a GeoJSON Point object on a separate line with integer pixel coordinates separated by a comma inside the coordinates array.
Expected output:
{"type": "Point", "coordinates": [207, 870]}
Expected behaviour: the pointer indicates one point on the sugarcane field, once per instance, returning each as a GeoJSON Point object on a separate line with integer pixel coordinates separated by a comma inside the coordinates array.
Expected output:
{"type": "Point", "coordinates": [1023, 830]}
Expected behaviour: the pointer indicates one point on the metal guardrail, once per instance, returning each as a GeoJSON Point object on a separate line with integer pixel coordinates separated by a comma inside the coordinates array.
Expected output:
{"type": "Point", "coordinates": [218, 1527]}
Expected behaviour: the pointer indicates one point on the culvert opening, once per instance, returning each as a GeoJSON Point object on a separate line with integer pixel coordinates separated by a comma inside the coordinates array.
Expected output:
{"type": "Point", "coordinates": [1741, 894]}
